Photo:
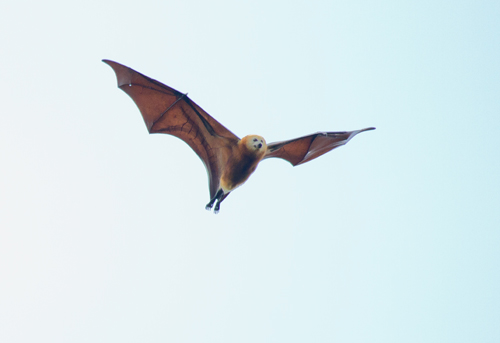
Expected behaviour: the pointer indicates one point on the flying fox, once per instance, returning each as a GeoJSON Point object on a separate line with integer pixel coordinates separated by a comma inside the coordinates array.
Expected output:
{"type": "Point", "coordinates": [229, 160]}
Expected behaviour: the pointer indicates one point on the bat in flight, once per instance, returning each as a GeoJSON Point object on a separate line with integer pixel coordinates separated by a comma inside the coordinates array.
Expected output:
{"type": "Point", "coordinates": [228, 159]}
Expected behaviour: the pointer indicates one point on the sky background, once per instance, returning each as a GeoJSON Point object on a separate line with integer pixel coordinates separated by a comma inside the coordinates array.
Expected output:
{"type": "Point", "coordinates": [394, 237]}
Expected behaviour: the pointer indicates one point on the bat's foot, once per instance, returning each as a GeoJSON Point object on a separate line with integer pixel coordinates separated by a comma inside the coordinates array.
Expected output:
{"type": "Point", "coordinates": [217, 207]}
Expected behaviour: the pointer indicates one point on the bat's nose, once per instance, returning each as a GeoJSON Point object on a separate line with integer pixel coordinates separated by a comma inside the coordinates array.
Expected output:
{"type": "Point", "coordinates": [260, 145]}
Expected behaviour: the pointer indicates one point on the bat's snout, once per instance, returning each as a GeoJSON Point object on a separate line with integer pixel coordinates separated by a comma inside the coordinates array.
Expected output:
{"type": "Point", "coordinates": [259, 145]}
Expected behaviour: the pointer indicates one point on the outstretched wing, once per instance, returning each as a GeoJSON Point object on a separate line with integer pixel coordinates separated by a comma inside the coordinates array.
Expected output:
{"type": "Point", "coordinates": [304, 149]}
{"type": "Point", "coordinates": [166, 110]}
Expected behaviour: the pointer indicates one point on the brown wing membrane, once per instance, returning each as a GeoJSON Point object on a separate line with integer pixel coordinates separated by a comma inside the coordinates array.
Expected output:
{"type": "Point", "coordinates": [304, 149]}
{"type": "Point", "coordinates": [166, 110]}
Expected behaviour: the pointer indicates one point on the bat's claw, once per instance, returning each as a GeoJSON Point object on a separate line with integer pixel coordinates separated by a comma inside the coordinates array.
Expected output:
{"type": "Point", "coordinates": [216, 211]}
{"type": "Point", "coordinates": [208, 207]}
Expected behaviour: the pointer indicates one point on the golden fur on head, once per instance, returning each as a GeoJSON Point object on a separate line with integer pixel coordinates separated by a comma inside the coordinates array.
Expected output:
{"type": "Point", "coordinates": [255, 144]}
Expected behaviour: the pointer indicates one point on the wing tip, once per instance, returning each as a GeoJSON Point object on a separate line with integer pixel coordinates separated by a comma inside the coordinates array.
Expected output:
{"type": "Point", "coordinates": [123, 73]}
{"type": "Point", "coordinates": [109, 62]}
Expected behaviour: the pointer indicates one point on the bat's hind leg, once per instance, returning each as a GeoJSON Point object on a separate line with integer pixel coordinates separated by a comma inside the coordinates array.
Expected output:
{"type": "Point", "coordinates": [217, 205]}
{"type": "Point", "coordinates": [217, 196]}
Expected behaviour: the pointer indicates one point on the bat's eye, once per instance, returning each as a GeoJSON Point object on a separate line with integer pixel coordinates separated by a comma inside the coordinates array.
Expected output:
{"type": "Point", "coordinates": [255, 139]}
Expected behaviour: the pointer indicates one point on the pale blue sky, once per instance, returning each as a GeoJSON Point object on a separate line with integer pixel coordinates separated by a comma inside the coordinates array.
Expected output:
{"type": "Point", "coordinates": [393, 238]}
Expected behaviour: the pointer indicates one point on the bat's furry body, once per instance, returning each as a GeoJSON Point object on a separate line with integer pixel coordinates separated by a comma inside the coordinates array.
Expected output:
{"type": "Point", "coordinates": [229, 160]}
{"type": "Point", "coordinates": [249, 151]}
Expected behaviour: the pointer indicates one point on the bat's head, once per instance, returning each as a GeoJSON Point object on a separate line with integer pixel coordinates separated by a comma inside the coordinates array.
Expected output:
{"type": "Point", "coordinates": [255, 144]}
